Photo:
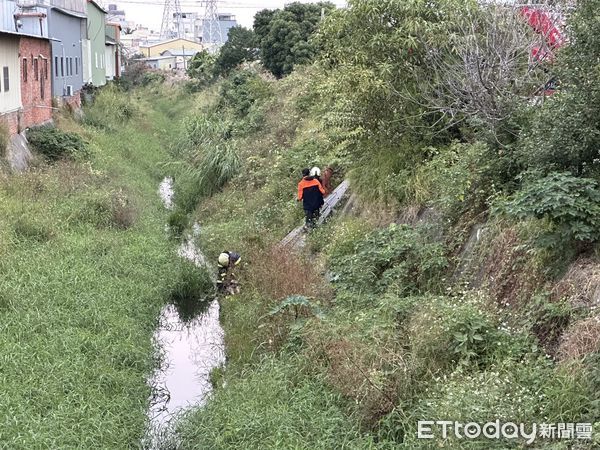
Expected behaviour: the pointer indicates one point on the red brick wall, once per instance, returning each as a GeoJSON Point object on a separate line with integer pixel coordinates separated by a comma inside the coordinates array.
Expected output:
{"type": "Point", "coordinates": [36, 107]}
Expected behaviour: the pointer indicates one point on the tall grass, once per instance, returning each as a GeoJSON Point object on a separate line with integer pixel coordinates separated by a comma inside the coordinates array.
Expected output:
{"type": "Point", "coordinates": [274, 407]}
{"type": "Point", "coordinates": [79, 300]}
{"type": "Point", "coordinates": [214, 166]}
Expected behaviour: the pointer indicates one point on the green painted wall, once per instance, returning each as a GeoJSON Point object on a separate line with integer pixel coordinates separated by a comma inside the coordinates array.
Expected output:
{"type": "Point", "coordinates": [96, 31]}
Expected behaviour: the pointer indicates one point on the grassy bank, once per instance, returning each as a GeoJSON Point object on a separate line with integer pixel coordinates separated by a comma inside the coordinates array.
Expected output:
{"type": "Point", "coordinates": [407, 311]}
{"type": "Point", "coordinates": [84, 270]}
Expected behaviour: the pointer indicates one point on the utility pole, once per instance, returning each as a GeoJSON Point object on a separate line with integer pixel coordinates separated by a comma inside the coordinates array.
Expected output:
{"type": "Point", "coordinates": [171, 19]}
{"type": "Point", "coordinates": [211, 28]}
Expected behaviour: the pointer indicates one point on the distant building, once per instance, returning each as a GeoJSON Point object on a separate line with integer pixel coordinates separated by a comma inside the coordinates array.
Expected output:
{"type": "Point", "coordinates": [160, 62]}
{"type": "Point", "coordinates": [182, 56]}
{"type": "Point", "coordinates": [113, 51]}
{"type": "Point", "coordinates": [172, 44]}
{"type": "Point", "coordinates": [186, 25]}
{"type": "Point", "coordinates": [226, 21]}
{"type": "Point", "coordinates": [94, 52]}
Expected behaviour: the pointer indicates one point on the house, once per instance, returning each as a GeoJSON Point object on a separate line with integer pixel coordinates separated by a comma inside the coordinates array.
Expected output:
{"type": "Point", "coordinates": [113, 50]}
{"type": "Point", "coordinates": [94, 51]}
{"type": "Point", "coordinates": [35, 79]}
{"type": "Point", "coordinates": [160, 62]}
{"type": "Point", "coordinates": [66, 28]}
{"type": "Point", "coordinates": [10, 88]}
{"type": "Point", "coordinates": [25, 66]}
{"type": "Point", "coordinates": [179, 44]}
{"type": "Point", "coordinates": [182, 56]}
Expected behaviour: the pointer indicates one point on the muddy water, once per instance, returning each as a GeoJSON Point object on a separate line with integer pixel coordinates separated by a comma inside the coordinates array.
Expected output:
{"type": "Point", "coordinates": [189, 339]}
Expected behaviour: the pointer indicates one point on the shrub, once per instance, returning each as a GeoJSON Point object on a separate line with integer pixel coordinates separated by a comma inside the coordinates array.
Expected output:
{"type": "Point", "coordinates": [106, 210]}
{"type": "Point", "coordinates": [460, 177]}
{"type": "Point", "coordinates": [398, 255]}
{"type": "Point", "coordinates": [192, 288]}
{"type": "Point", "coordinates": [443, 331]}
{"type": "Point", "coordinates": [32, 230]}
{"type": "Point", "coordinates": [201, 69]}
{"type": "Point", "coordinates": [55, 144]}
{"type": "Point", "coordinates": [177, 222]}
{"type": "Point", "coordinates": [111, 108]}
{"type": "Point", "coordinates": [570, 204]}
{"type": "Point", "coordinates": [133, 75]}
{"type": "Point", "coordinates": [153, 77]}
{"type": "Point", "coordinates": [241, 90]}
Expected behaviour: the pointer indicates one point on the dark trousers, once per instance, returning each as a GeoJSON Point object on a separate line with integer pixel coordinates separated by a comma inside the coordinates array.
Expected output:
{"type": "Point", "coordinates": [311, 217]}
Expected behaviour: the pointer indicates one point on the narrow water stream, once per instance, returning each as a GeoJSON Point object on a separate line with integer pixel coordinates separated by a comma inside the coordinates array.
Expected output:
{"type": "Point", "coordinates": [190, 341]}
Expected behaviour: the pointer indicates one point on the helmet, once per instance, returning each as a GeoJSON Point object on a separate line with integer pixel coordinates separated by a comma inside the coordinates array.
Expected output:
{"type": "Point", "coordinates": [224, 259]}
{"type": "Point", "coordinates": [315, 172]}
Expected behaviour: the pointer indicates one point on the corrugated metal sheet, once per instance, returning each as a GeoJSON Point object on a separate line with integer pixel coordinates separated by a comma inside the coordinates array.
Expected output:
{"type": "Point", "coordinates": [10, 99]}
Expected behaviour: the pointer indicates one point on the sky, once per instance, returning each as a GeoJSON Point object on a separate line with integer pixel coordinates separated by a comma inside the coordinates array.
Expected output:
{"type": "Point", "coordinates": [149, 12]}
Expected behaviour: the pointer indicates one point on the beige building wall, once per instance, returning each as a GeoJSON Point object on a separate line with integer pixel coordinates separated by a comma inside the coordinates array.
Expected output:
{"type": "Point", "coordinates": [10, 80]}
{"type": "Point", "coordinates": [178, 44]}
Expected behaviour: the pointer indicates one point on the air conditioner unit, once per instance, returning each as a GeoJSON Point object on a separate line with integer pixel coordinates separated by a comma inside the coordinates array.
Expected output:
{"type": "Point", "coordinates": [28, 3]}
{"type": "Point", "coordinates": [69, 90]}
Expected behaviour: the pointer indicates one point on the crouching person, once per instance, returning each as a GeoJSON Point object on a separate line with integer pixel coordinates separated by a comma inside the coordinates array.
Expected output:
{"type": "Point", "coordinates": [226, 282]}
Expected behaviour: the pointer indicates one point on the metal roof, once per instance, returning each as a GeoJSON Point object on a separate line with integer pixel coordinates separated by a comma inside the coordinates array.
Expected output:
{"type": "Point", "coordinates": [178, 52]}
{"type": "Point", "coordinates": [35, 36]}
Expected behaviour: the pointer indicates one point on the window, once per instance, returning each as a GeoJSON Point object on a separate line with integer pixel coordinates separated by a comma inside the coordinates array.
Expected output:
{"type": "Point", "coordinates": [6, 80]}
{"type": "Point", "coordinates": [62, 66]}
{"type": "Point", "coordinates": [71, 65]}
{"type": "Point", "coordinates": [25, 70]}
{"type": "Point", "coordinates": [76, 65]}
{"type": "Point", "coordinates": [36, 69]}
{"type": "Point", "coordinates": [43, 78]}
{"type": "Point", "coordinates": [56, 66]}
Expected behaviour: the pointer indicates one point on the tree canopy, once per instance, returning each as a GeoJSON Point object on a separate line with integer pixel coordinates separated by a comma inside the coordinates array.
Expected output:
{"type": "Point", "coordinates": [240, 47]}
{"type": "Point", "coordinates": [284, 35]}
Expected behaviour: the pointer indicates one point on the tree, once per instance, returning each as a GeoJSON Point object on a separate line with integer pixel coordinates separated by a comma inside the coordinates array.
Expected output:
{"type": "Point", "coordinates": [240, 47]}
{"type": "Point", "coordinates": [564, 133]}
{"type": "Point", "coordinates": [284, 35]}
{"type": "Point", "coordinates": [485, 72]}
{"type": "Point", "coordinates": [374, 57]}
{"type": "Point", "coordinates": [201, 67]}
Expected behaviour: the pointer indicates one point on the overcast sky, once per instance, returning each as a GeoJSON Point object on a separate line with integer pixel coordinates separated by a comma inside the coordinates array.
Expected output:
{"type": "Point", "coordinates": [149, 12]}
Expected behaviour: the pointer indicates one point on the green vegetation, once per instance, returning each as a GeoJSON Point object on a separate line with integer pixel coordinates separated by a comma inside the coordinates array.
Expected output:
{"type": "Point", "coordinates": [283, 35]}
{"type": "Point", "coordinates": [240, 47]}
{"type": "Point", "coordinates": [84, 270]}
{"type": "Point", "coordinates": [460, 285]}
{"type": "Point", "coordinates": [54, 143]}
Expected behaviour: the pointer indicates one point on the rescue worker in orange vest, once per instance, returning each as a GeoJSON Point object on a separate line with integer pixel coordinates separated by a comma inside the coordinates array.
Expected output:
{"type": "Point", "coordinates": [311, 193]}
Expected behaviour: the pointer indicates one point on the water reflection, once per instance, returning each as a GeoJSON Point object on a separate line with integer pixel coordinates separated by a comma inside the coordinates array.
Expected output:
{"type": "Point", "coordinates": [189, 339]}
